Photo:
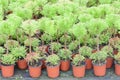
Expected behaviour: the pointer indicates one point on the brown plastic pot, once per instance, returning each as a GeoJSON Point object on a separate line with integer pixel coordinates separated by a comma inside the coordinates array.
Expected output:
{"type": "Point", "coordinates": [65, 65]}
{"type": "Point", "coordinates": [109, 62]}
{"type": "Point", "coordinates": [78, 71]}
{"type": "Point", "coordinates": [7, 71]}
{"type": "Point", "coordinates": [22, 64]}
{"type": "Point", "coordinates": [35, 72]}
{"type": "Point", "coordinates": [99, 70]}
{"type": "Point", "coordinates": [117, 69]}
{"type": "Point", "coordinates": [53, 71]}
{"type": "Point", "coordinates": [88, 63]}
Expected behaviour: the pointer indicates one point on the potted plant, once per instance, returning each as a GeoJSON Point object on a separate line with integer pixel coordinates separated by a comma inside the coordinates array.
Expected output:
{"type": "Point", "coordinates": [53, 63]}
{"type": "Point", "coordinates": [2, 50]}
{"type": "Point", "coordinates": [7, 65]}
{"type": "Point", "coordinates": [78, 66]}
{"type": "Point", "coordinates": [65, 55]}
{"type": "Point", "coordinates": [30, 27]}
{"type": "Point", "coordinates": [109, 50]}
{"type": "Point", "coordinates": [42, 54]}
{"type": "Point", "coordinates": [34, 64]}
{"type": "Point", "coordinates": [117, 64]}
{"type": "Point", "coordinates": [114, 42]}
{"type": "Point", "coordinates": [86, 52]}
{"type": "Point", "coordinates": [20, 53]}
{"type": "Point", "coordinates": [99, 63]}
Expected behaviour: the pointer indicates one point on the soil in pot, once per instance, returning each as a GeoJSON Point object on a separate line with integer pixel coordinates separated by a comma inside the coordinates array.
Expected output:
{"type": "Point", "coordinates": [7, 70]}
{"type": "Point", "coordinates": [109, 62]}
{"type": "Point", "coordinates": [117, 69]}
{"type": "Point", "coordinates": [88, 63]}
{"type": "Point", "coordinates": [22, 64]}
{"type": "Point", "coordinates": [35, 71]}
{"type": "Point", "coordinates": [53, 71]}
{"type": "Point", "coordinates": [65, 65]}
{"type": "Point", "coordinates": [99, 70]}
{"type": "Point", "coordinates": [78, 71]}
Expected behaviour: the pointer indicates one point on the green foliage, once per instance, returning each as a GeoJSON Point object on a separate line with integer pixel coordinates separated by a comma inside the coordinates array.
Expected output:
{"type": "Point", "coordinates": [24, 13]}
{"type": "Point", "coordinates": [7, 28]}
{"type": "Point", "coordinates": [49, 10]}
{"type": "Point", "coordinates": [30, 27]}
{"type": "Point", "coordinates": [97, 26]}
{"type": "Point", "coordinates": [105, 1]}
{"type": "Point", "coordinates": [73, 45]}
{"type": "Point", "coordinates": [99, 57]}
{"type": "Point", "coordinates": [45, 38]}
{"type": "Point", "coordinates": [85, 51]}
{"type": "Point", "coordinates": [53, 60]}
{"type": "Point", "coordinates": [66, 38]}
{"type": "Point", "coordinates": [64, 54]}
{"type": "Point", "coordinates": [117, 58]}
{"type": "Point", "coordinates": [8, 59]}
{"type": "Point", "coordinates": [79, 30]}
{"type": "Point", "coordinates": [85, 17]}
{"type": "Point", "coordinates": [65, 22]}
{"type": "Point", "coordinates": [34, 42]}
{"type": "Point", "coordinates": [109, 50]}
{"type": "Point", "coordinates": [55, 46]}
{"type": "Point", "coordinates": [11, 44]}
{"type": "Point", "coordinates": [19, 52]}
{"type": "Point", "coordinates": [78, 60]}
{"type": "Point", "coordinates": [2, 50]}
{"type": "Point", "coordinates": [111, 19]}
{"type": "Point", "coordinates": [3, 39]}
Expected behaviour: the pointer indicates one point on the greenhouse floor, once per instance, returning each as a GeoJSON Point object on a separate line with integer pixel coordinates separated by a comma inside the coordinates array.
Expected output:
{"type": "Point", "coordinates": [23, 75]}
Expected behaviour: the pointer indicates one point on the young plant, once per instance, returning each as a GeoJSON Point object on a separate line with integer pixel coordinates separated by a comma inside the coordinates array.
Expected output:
{"type": "Point", "coordinates": [45, 38]}
{"type": "Point", "coordinates": [108, 49]}
{"type": "Point", "coordinates": [10, 44]}
{"type": "Point", "coordinates": [64, 54]}
{"type": "Point", "coordinates": [55, 46]}
{"type": "Point", "coordinates": [85, 51]}
{"type": "Point", "coordinates": [99, 57]}
{"type": "Point", "coordinates": [30, 27]}
{"type": "Point", "coordinates": [73, 46]}
{"type": "Point", "coordinates": [53, 60]}
{"type": "Point", "coordinates": [33, 59]}
{"type": "Point", "coordinates": [19, 52]}
{"type": "Point", "coordinates": [78, 60]}
{"type": "Point", "coordinates": [8, 59]}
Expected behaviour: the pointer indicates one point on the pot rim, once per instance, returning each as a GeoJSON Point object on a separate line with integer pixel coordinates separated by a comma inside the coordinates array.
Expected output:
{"type": "Point", "coordinates": [98, 64]}
{"type": "Point", "coordinates": [36, 66]}
{"type": "Point", "coordinates": [53, 66]}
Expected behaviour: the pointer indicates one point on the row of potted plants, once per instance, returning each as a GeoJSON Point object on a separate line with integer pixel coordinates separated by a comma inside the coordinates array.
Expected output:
{"type": "Point", "coordinates": [55, 33]}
